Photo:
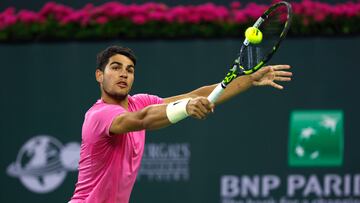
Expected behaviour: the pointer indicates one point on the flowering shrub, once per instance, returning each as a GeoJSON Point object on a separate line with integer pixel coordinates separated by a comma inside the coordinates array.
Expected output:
{"type": "Point", "coordinates": [157, 20]}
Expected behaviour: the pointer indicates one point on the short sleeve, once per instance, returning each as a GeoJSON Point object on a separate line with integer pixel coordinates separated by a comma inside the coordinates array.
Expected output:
{"type": "Point", "coordinates": [98, 121]}
{"type": "Point", "coordinates": [147, 99]}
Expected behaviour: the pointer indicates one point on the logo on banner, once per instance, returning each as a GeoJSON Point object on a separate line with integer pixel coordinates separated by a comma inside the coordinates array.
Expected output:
{"type": "Point", "coordinates": [43, 162]}
{"type": "Point", "coordinates": [316, 138]}
{"type": "Point", "coordinates": [165, 162]}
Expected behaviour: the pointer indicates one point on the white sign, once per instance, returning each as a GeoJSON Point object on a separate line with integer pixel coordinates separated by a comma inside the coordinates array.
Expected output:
{"type": "Point", "coordinates": [165, 162]}
{"type": "Point", "coordinates": [249, 189]}
{"type": "Point", "coordinates": [43, 162]}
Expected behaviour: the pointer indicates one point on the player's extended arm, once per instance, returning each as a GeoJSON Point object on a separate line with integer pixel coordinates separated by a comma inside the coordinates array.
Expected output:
{"type": "Point", "coordinates": [161, 115]}
{"type": "Point", "coordinates": [150, 117]}
{"type": "Point", "coordinates": [240, 84]}
{"type": "Point", "coordinates": [265, 76]}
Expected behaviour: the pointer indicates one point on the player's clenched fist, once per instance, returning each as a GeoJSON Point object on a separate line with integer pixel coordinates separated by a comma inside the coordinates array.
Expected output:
{"type": "Point", "coordinates": [199, 107]}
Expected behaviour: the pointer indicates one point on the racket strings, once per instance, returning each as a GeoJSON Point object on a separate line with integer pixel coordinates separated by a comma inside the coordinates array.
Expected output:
{"type": "Point", "coordinates": [251, 56]}
{"type": "Point", "coordinates": [271, 30]}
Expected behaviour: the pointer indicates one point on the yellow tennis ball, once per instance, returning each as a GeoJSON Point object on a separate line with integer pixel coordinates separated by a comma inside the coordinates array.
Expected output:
{"type": "Point", "coordinates": [254, 35]}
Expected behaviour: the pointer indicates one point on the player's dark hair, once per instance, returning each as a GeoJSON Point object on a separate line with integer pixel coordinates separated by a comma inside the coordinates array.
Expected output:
{"type": "Point", "coordinates": [103, 56]}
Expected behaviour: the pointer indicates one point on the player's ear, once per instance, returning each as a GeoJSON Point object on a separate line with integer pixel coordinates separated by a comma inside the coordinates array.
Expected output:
{"type": "Point", "coordinates": [99, 75]}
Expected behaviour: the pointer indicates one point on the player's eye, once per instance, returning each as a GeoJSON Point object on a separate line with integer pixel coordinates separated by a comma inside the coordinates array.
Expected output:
{"type": "Point", "coordinates": [130, 70]}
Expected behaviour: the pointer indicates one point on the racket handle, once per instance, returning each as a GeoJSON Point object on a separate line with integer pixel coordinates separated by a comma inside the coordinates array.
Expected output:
{"type": "Point", "coordinates": [215, 94]}
{"type": "Point", "coordinates": [258, 22]}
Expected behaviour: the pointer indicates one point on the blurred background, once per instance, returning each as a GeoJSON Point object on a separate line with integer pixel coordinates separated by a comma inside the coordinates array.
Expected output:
{"type": "Point", "coordinates": [300, 144]}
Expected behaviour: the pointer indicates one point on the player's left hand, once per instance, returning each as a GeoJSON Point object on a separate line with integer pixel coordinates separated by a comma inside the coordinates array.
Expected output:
{"type": "Point", "coordinates": [269, 75]}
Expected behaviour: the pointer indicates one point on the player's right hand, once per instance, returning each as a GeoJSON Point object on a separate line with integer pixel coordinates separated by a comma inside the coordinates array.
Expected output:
{"type": "Point", "coordinates": [199, 107]}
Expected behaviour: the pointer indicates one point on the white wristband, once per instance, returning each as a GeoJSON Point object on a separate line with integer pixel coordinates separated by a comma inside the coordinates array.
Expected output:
{"type": "Point", "coordinates": [176, 111]}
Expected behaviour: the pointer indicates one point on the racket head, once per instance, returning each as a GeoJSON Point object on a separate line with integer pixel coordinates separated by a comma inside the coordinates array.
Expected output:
{"type": "Point", "coordinates": [274, 25]}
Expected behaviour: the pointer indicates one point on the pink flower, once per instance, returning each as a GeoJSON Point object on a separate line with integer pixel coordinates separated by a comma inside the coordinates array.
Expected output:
{"type": "Point", "coordinates": [222, 13]}
{"type": "Point", "coordinates": [194, 18]}
{"type": "Point", "coordinates": [88, 7]}
{"type": "Point", "coordinates": [62, 11]}
{"type": "Point", "coordinates": [179, 14]}
{"type": "Point", "coordinates": [297, 8]}
{"type": "Point", "coordinates": [336, 11]}
{"type": "Point", "coordinates": [162, 7]}
{"type": "Point", "coordinates": [135, 9]}
{"type": "Point", "coordinates": [81, 17]}
{"type": "Point", "coordinates": [169, 17]}
{"type": "Point", "coordinates": [7, 18]}
{"type": "Point", "coordinates": [319, 17]}
{"type": "Point", "coordinates": [85, 21]}
{"type": "Point", "coordinates": [28, 17]}
{"type": "Point", "coordinates": [208, 12]}
{"type": "Point", "coordinates": [239, 17]}
{"type": "Point", "coordinates": [149, 6]}
{"type": "Point", "coordinates": [47, 8]}
{"type": "Point", "coordinates": [351, 10]}
{"type": "Point", "coordinates": [72, 18]}
{"type": "Point", "coordinates": [307, 11]}
{"type": "Point", "coordinates": [58, 11]}
{"type": "Point", "coordinates": [235, 5]}
{"type": "Point", "coordinates": [101, 20]}
{"type": "Point", "coordinates": [112, 10]}
{"type": "Point", "coordinates": [156, 16]}
{"type": "Point", "coordinates": [253, 11]}
{"type": "Point", "coordinates": [138, 19]}
{"type": "Point", "coordinates": [8, 11]}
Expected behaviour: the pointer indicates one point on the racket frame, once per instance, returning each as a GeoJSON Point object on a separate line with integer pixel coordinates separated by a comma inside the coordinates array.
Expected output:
{"type": "Point", "coordinates": [236, 69]}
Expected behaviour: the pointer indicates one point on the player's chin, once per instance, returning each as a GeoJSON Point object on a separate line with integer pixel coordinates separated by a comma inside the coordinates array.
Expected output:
{"type": "Point", "coordinates": [126, 90]}
{"type": "Point", "coordinates": [118, 93]}
{"type": "Point", "coordinates": [122, 92]}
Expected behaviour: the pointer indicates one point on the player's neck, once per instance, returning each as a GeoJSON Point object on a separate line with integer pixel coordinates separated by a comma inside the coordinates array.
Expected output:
{"type": "Point", "coordinates": [111, 100]}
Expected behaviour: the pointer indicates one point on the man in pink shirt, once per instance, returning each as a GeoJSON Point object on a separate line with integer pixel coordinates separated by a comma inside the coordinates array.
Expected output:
{"type": "Point", "coordinates": [113, 132]}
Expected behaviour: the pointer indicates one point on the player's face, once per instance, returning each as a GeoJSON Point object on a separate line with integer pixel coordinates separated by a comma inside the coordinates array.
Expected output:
{"type": "Point", "coordinates": [118, 76]}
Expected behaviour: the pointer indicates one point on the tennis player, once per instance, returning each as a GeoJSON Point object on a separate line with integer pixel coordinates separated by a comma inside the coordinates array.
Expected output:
{"type": "Point", "coordinates": [113, 132]}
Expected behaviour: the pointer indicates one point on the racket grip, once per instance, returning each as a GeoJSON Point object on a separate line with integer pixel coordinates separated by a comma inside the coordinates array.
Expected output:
{"type": "Point", "coordinates": [258, 22]}
{"type": "Point", "coordinates": [215, 94]}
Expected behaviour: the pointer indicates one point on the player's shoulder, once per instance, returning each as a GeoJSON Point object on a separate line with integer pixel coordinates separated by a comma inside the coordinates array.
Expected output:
{"type": "Point", "coordinates": [139, 96]}
{"type": "Point", "coordinates": [101, 108]}
{"type": "Point", "coordinates": [146, 99]}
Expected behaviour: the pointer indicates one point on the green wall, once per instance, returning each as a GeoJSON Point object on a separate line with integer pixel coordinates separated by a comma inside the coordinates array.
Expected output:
{"type": "Point", "coordinates": [47, 88]}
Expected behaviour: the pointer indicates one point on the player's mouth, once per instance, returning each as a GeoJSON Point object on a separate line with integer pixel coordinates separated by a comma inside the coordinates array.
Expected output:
{"type": "Point", "coordinates": [122, 84]}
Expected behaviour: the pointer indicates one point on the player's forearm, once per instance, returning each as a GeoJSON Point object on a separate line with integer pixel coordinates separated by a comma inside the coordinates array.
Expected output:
{"type": "Point", "coordinates": [236, 87]}
{"type": "Point", "coordinates": [155, 117]}
{"type": "Point", "coordinates": [239, 85]}
{"type": "Point", "coordinates": [151, 117]}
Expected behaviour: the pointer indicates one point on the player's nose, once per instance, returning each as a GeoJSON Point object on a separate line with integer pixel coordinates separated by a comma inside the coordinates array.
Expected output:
{"type": "Point", "coordinates": [123, 74]}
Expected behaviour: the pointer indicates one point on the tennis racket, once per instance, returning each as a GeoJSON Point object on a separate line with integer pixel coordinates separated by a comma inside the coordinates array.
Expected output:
{"type": "Point", "coordinates": [274, 24]}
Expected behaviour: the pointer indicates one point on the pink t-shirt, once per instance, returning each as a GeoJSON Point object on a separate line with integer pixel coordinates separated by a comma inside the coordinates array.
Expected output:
{"type": "Point", "coordinates": [109, 163]}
